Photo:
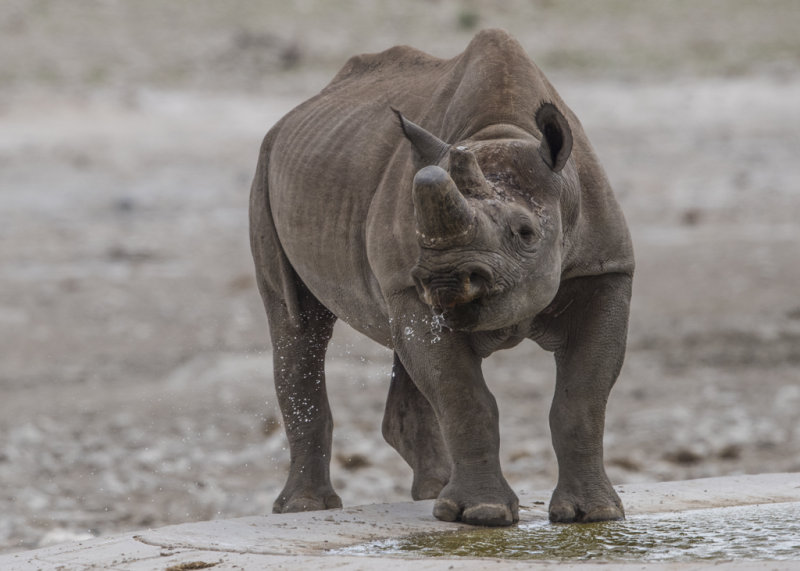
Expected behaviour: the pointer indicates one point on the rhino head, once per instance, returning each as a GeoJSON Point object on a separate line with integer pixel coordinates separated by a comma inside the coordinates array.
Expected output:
{"type": "Point", "coordinates": [488, 217]}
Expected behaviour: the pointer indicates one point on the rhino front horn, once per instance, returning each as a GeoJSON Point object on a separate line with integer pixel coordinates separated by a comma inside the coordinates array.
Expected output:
{"type": "Point", "coordinates": [443, 216]}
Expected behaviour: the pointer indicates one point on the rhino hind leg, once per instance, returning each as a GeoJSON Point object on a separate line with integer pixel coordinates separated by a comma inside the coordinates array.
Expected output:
{"type": "Point", "coordinates": [410, 426]}
{"type": "Point", "coordinates": [299, 347]}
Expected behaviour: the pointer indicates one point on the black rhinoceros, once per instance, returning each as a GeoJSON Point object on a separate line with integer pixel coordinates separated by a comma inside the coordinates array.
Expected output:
{"type": "Point", "coordinates": [486, 221]}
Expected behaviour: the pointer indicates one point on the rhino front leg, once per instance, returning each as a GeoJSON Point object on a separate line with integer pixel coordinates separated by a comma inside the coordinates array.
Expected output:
{"type": "Point", "coordinates": [593, 331]}
{"type": "Point", "coordinates": [410, 426]}
{"type": "Point", "coordinates": [448, 373]}
{"type": "Point", "coordinates": [298, 363]}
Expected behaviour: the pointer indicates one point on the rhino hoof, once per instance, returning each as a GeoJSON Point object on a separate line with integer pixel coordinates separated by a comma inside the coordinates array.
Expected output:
{"type": "Point", "coordinates": [306, 504]}
{"type": "Point", "coordinates": [569, 513]}
{"type": "Point", "coordinates": [446, 510]}
{"type": "Point", "coordinates": [492, 515]}
{"type": "Point", "coordinates": [427, 489]}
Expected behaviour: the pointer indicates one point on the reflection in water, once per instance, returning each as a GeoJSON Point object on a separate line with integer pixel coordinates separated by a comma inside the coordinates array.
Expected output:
{"type": "Point", "coordinates": [763, 532]}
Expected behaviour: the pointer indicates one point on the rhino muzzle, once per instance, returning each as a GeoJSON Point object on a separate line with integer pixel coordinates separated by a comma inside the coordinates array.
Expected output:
{"type": "Point", "coordinates": [446, 220]}
{"type": "Point", "coordinates": [449, 290]}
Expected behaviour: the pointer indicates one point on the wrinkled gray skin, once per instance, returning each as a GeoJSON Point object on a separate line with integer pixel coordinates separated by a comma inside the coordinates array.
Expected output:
{"type": "Point", "coordinates": [490, 209]}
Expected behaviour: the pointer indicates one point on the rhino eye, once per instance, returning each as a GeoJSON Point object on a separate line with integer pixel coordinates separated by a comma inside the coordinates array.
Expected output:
{"type": "Point", "coordinates": [526, 232]}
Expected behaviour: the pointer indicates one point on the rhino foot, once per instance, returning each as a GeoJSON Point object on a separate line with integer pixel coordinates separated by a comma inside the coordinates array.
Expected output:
{"type": "Point", "coordinates": [428, 487]}
{"type": "Point", "coordinates": [306, 502]}
{"type": "Point", "coordinates": [571, 508]}
{"type": "Point", "coordinates": [499, 509]}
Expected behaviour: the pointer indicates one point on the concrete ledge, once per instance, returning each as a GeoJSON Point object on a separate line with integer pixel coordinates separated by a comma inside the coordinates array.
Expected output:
{"type": "Point", "coordinates": [302, 541]}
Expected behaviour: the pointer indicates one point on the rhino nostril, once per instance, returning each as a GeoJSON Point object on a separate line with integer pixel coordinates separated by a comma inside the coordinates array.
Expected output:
{"type": "Point", "coordinates": [421, 279]}
{"type": "Point", "coordinates": [479, 278]}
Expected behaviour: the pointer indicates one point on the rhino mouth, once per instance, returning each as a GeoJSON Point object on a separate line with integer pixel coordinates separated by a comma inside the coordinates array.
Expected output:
{"type": "Point", "coordinates": [455, 310]}
{"type": "Point", "coordinates": [462, 317]}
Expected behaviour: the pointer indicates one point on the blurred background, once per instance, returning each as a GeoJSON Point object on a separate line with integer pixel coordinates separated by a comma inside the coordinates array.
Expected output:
{"type": "Point", "coordinates": [135, 373]}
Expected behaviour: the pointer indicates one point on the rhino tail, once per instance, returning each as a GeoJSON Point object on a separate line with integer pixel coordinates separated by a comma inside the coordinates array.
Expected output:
{"type": "Point", "coordinates": [275, 275]}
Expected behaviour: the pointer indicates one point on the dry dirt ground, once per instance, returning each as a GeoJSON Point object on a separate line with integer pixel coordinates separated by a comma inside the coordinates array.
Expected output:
{"type": "Point", "coordinates": [134, 362]}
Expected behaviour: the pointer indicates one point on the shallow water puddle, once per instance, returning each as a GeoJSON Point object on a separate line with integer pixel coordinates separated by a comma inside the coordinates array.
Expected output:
{"type": "Point", "coordinates": [761, 532]}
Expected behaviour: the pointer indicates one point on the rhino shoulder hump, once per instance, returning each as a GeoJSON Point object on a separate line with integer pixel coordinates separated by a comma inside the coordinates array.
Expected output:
{"type": "Point", "coordinates": [494, 41]}
{"type": "Point", "coordinates": [386, 62]}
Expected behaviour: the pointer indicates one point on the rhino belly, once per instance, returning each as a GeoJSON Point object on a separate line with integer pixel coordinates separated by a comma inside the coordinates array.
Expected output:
{"type": "Point", "coordinates": [327, 161]}
{"type": "Point", "coordinates": [329, 255]}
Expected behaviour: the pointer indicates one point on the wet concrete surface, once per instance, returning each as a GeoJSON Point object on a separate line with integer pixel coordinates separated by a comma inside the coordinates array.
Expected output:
{"type": "Point", "coordinates": [304, 540]}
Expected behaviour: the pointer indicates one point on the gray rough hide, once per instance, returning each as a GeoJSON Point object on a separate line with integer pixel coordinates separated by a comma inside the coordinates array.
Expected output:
{"type": "Point", "coordinates": [465, 189]}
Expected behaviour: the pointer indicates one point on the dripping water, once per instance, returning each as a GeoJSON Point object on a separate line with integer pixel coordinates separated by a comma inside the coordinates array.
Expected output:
{"type": "Point", "coordinates": [438, 325]}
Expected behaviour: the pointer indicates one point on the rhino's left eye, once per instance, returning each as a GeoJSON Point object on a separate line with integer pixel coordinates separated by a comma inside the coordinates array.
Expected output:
{"type": "Point", "coordinates": [523, 228]}
{"type": "Point", "coordinates": [526, 232]}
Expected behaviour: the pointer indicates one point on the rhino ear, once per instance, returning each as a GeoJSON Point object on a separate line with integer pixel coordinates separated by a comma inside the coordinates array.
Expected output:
{"type": "Point", "coordinates": [556, 136]}
{"type": "Point", "coordinates": [428, 147]}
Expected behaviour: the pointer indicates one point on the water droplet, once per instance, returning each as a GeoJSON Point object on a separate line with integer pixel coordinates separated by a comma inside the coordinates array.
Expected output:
{"type": "Point", "coordinates": [438, 325]}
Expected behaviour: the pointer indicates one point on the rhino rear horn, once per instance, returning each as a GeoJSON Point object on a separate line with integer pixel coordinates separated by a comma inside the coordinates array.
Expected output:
{"type": "Point", "coordinates": [443, 216]}
{"type": "Point", "coordinates": [556, 142]}
{"type": "Point", "coordinates": [429, 148]}
{"type": "Point", "coordinates": [467, 174]}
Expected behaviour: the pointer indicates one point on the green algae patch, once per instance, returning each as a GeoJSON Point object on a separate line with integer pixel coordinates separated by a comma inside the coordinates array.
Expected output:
{"type": "Point", "coordinates": [762, 532]}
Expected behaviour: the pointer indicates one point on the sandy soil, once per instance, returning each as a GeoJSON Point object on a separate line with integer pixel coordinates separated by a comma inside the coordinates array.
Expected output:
{"type": "Point", "coordinates": [134, 362]}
